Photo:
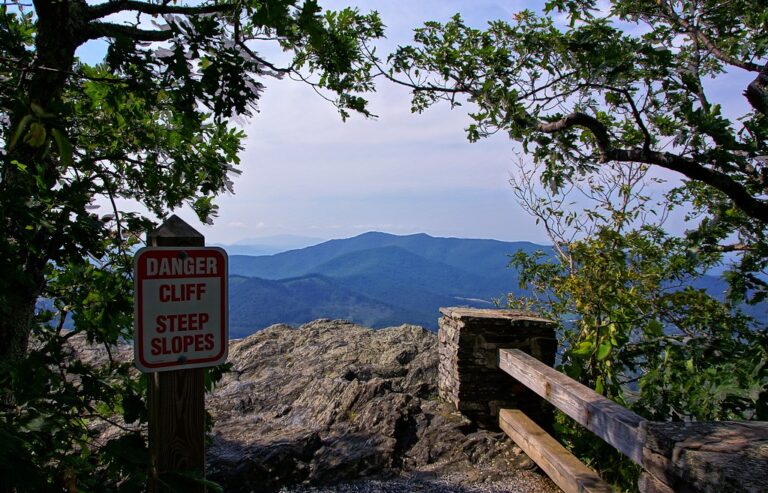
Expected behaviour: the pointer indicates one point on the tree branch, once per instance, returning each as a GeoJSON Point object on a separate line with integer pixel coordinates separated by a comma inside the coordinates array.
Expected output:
{"type": "Point", "coordinates": [113, 7]}
{"type": "Point", "coordinates": [688, 167]}
{"type": "Point", "coordinates": [694, 170]}
{"type": "Point", "coordinates": [757, 91]}
{"type": "Point", "coordinates": [703, 39]}
{"type": "Point", "coordinates": [108, 30]}
{"type": "Point", "coordinates": [261, 60]}
{"type": "Point", "coordinates": [416, 87]}
{"type": "Point", "coordinates": [647, 139]}
{"type": "Point", "coordinates": [579, 119]}
{"type": "Point", "coordinates": [735, 247]}
{"type": "Point", "coordinates": [31, 67]}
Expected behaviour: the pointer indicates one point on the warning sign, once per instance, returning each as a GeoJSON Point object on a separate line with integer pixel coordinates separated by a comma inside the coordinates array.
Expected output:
{"type": "Point", "coordinates": [180, 308]}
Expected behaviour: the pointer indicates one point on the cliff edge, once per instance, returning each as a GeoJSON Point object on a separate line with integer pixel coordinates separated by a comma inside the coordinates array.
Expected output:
{"type": "Point", "coordinates": [335, 407]}
{"type": "Point", "coordinates": [331, 401]}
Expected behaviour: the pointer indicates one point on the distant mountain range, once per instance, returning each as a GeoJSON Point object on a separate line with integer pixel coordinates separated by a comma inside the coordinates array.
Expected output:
{"type": "Point", "coordinates": [269, 245]}
{"type": "Point", "coordinates": [482, 257]}
{"type": "Point", "coordinates": [375, 279]}
{"type": "Point", "coordinates": [378, 280]}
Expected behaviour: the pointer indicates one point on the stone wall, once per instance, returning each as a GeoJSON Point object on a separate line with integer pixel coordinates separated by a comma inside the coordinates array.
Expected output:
{"type": "Point", "coordinates": [469, 376]}
{"type": "Point", "coordinates": [677, 457]}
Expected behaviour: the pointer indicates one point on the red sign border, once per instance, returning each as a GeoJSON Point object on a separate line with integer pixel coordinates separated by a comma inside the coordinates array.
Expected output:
{"type": "Point", "coordinates": [138, 291]}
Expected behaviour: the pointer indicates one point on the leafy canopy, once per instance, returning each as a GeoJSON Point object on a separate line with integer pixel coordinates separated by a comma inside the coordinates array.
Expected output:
{"type": "Point", "coordinates": [152, 124]}
{"type": "Point", "coordinates": [629, 84]}
{"type": "Point", "coordinates": [595, 104]}
{"type": "Point", "coordinates": [640, 320]}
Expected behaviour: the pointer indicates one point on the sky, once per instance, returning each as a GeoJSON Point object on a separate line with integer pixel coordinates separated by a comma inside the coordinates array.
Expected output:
{"type": "Point", "coordinates": [305, 172]}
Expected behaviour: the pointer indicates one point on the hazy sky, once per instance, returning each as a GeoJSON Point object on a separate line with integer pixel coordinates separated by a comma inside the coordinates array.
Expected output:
{"type": "Point", "coordinates": [306, 172]}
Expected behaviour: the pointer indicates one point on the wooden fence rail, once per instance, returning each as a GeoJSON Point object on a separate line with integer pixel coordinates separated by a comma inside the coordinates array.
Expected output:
{"type": "Point", "coordinates": [615, 424]}
{"type": "Point", "coordinates": [695, 457]}
{"type": "Point", "coordinates": [561, 466]}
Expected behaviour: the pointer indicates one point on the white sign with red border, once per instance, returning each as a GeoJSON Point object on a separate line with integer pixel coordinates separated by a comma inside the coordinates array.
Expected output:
{"type": "Point", "coordinates": [180, 308]}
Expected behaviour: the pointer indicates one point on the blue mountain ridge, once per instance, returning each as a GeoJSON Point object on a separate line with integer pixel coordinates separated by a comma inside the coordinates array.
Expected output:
{"type": "Point", "coordinates": [257, 303]}
{"type": "Point", "coordinates": [477, 256]}
{"type": "Point", "coordinates": [379, 279]}
{"type": "Point", "coordinates": [397, 279]}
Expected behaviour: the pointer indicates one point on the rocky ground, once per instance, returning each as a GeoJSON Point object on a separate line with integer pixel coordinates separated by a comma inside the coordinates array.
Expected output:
{"type": "Point", "coordinates": [335, 407]}
{"type": "Point", "coordinates": [332, 401]}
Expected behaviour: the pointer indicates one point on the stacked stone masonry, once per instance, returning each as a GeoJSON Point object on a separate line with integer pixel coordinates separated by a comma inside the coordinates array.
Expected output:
{"type": "Point", "coordinates": [677, 457]}
{"type": "Point", "coordinates": [469, 376]}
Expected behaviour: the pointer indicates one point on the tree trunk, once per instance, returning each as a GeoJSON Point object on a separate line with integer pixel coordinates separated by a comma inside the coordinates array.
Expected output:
{"type": "Point", "coordinates": [14, 330]}
{"type": "Point", "coordinates": [27, 252]}
{"type": "Point", "coordinates": [14, 337]}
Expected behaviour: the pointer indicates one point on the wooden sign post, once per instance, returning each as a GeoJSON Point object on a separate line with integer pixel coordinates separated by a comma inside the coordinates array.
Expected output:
{"type": "Point", "coordinates": [176, 396]}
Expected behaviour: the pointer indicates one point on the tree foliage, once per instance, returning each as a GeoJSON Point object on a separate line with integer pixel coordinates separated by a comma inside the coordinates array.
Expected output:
{"type": "Point", "coordinates": [151, 125]}
{"type": "Point", "coordinates": [631, 84]}
{"type": "Point", "coordinates": [640, 321]}
{"type": "Point", "coordinates": [595, 104]}
{"type": "Point", "coordinates": [635, 303]}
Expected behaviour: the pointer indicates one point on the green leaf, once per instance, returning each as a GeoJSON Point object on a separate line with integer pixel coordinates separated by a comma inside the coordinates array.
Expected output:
{"type": "Point", "coordinates": [604, 350]}
{"type": "Point", "coordinates": [39, 112]}
{"type": "Point", "coordinates": [600, 385]}
{"type": "Point", "coordinates": [63, 145]}
{"type": "Point", "coordinates": [36, 135]}
{"type": "Point", "coordinates": [19, 131]}
{"type": "Point", "coordinates": [654, 328]}
{"type": "Point", "coordinates": [37, 424]}
{"type": "Point", "coordinates": [583, 349]}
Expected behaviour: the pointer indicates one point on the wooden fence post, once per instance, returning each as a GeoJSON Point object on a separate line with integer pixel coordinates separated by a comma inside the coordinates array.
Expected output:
{"type": "Point", "coordinates": [176, 398]}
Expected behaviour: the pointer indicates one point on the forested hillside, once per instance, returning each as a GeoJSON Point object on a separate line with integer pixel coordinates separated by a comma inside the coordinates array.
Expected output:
{"type": "Point", "coordinates": [376, 279]}
{"type": "Point", "coordinates": [380, 280]}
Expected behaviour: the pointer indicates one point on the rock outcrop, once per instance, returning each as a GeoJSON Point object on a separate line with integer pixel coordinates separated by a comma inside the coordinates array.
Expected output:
{"type": "Point", "coordinates": [331, 402]}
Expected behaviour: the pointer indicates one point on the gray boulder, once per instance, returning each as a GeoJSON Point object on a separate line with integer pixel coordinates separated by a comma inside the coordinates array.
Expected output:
{"type": "Point", "coordinates": [332, 401]}
{"type": "Point", "coordinates": [335, 407]}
